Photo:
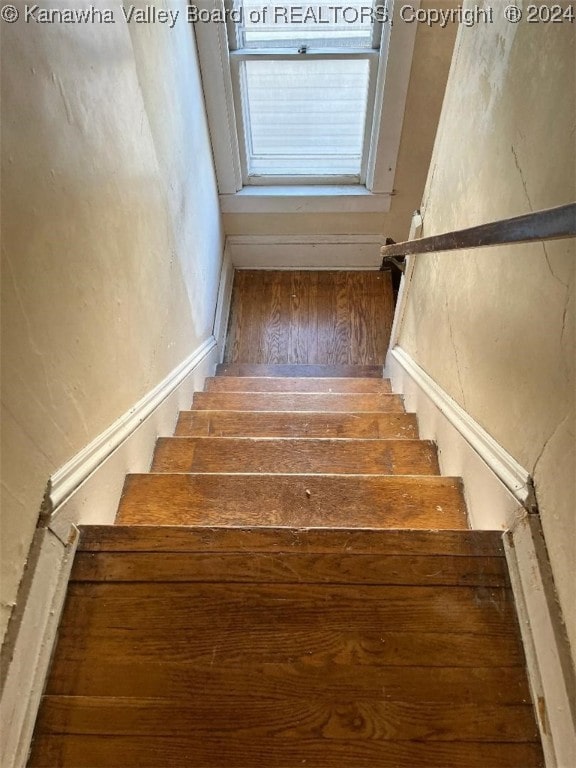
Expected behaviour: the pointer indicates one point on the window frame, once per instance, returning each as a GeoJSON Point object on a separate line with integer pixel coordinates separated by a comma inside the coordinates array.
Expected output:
{"type": "Point", "coordinates": [373, 191]}
{"type": "Point", "coordinates": [252, 179]}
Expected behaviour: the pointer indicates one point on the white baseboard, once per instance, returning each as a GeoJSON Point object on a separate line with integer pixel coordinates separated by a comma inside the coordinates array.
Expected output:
{"type": "Point", "coordinates": [496, 487]}
{"type": "Point", "coordinates": [497, 491]}
{"type": "Point", "coordinates": [87, 489]}
{"type": "Point", "coordinates": [550, 670]}
{"type": "Point", "coordinates": [27, 659]}
{"type": "Point", "coordinates": [305, 251]}
{"type": "Point", "coordinates": [224, 301]}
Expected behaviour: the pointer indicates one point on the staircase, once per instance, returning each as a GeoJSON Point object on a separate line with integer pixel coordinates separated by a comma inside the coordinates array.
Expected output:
{"type": "Point", "coordinates": [329, 449]}
{"type": "Point", "coordinates": [293, 584]}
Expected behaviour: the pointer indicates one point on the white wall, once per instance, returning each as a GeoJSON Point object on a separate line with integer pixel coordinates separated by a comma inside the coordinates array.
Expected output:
{"type": "Point", "coordinates": [112, 242]}
{"type": "Point", "coordinates": [495, 327]}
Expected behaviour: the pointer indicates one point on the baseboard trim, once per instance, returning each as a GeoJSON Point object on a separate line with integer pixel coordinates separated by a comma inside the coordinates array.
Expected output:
{"type": "Point", "coordinates": [497, 488]}
{"type": "Point", "coordinates": [26, 657]}
{"type": "Point", "coordinates": [305, 251]}
{"type": "Point", "coordinates": [224, 301]}
{"type": "Point", "coordinates": [550, 670]}
{"type": "Point", "coordinates": [70, 477]}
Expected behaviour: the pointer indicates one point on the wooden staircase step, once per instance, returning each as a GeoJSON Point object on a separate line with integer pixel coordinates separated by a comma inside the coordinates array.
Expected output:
{"type": "Point", "coordinates": [366, 425]}
{"type": "Point", "coordinates": [252, 369]}
{"type": "Point", "coordinates": [291, 384]}
{"type": "Point", "coordinates": [293, 500]}
{"type": "Point", "coordinates": [295, 455]}
{"type": "Point", "coordinates": [296, 401]}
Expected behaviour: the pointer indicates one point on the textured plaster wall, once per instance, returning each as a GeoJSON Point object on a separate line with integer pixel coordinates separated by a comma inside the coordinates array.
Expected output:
{"type": "Point", "coordinates": [431, 63]}
{"type": "Point", "coordinates": [111, 242]}
{"type": "Point", "coordinates": [495, 327]}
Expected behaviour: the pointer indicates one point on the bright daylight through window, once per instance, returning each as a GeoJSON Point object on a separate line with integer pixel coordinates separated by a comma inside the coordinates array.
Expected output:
{"type": "Point", "coordinates": [304, 99]}
{"type": "Point", "coordinates": [303, 79]}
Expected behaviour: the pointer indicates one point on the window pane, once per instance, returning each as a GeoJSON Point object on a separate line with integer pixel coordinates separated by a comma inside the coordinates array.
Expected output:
{"type": "Point", "coordinates": [323, 24]}
{"type": "Point", "coordinates": [306, 117]}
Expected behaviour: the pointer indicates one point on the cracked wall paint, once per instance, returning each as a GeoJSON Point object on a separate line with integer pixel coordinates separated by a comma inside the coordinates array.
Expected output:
{"type": "Point", "coordinates": [112, 243]}
{"type": "Point", "coordinates": [495, 327]}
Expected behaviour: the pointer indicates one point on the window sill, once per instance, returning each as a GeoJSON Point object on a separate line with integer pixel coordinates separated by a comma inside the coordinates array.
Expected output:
{"type": "Point", "coordinates": [305, 199]}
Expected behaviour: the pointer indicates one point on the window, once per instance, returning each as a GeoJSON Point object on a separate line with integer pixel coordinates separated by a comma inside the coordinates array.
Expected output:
{"type": "Point", "coordinates": [298, 96]}
{"type": "Point", "coordinates": [303, 79]}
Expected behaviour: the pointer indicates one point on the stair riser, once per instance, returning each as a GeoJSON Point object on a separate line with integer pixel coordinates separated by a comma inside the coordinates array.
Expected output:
{"type": "Point", "coordinates": [384, 457]}
{"type": "Point", "coordinates": [280, 401]}
{"type": "Point", "coordinates": [270, 384]}
{"type": "Point", "coordinates": [396, 426]}
{"type": "Point", "coordinates": [316, 371]}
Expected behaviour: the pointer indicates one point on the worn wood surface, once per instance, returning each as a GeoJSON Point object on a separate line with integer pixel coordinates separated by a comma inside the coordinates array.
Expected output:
{"type": "Point", "coordinates": [292, 500]}
{"type": "Point", "coordinates": [312, 715]}
{"type": "Point", "coordinates": [286, 455]}
{"type": "Point", "coordinates": [308, 317]}
{"type": "Point", "coordinates": [293, 567]}
{"type": "Point", "coordinates": [212, 750]}
{"type": "Point", "coordinates": [294, 384]}
{"type": "Point", "coordinates": [296, 401]}
{"type": "Point", "coordinates": [410, 543]}
{"type": "Point", "coordinates": [316, 371]}
{"type": "Point", "coordinates": [364, 425]}
{"type": "Point", "coordinates": [136, 659]}
{"type": "Point", "coordinates": [310, 656]}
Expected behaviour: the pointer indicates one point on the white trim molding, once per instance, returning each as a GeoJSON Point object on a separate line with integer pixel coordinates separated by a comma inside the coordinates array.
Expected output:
{"type": "Point", "coordinates": [550, 669]}
{"type": "Point", "coordinates": [69, 477]}
{"type": "Point", "coordinates": [305, 199]}
{"type": "Point", "coordinates": [497, 488]}
{"type": "Point", "coordinates": [26, 657]}
{"type": "Point", "coordinates": [87, 489]}
{"type": "Point", "coordinates": [305, 251]}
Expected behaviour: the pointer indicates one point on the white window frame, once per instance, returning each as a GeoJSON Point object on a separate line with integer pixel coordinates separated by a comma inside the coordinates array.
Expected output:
{"type": "Point", "coordinates": [373, 194]}
{"type": "Point", "coordinates": [236, 57]}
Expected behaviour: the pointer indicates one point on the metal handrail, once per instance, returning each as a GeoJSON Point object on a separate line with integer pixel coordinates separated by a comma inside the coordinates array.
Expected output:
{"type": "Point", "coordinates": [550, 224]}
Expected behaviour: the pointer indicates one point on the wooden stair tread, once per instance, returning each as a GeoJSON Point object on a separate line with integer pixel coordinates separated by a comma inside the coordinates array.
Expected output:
{"type": "Point", "coordinates": [316, 371]}
{"type": "Point", "coordinates": [296, 384]}
{"type": "Point", "coordinates": [366, 425]}
{"type": "Point", "coordinates": [296, 401]}
{"type": "Point", "coordinates": [298, 455]}
{"type": "Point", "coordinates": [293, 500]}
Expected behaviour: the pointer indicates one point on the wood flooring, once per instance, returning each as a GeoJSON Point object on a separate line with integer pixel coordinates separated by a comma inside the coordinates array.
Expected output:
{"type": "Point", "coordinates": [307, 317]}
